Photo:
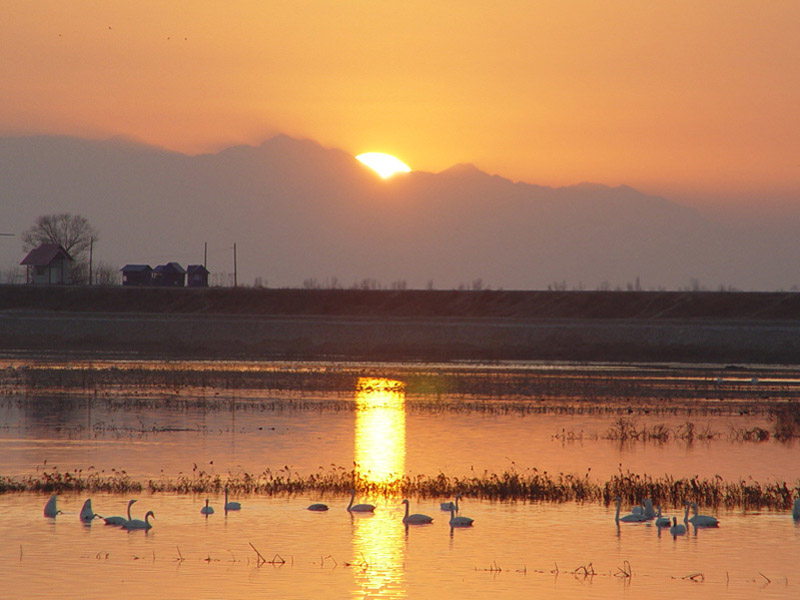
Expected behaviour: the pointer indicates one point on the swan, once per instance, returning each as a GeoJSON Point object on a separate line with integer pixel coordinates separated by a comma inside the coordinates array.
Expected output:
{"type": "Point", "coordinates": [358, 507]}
{"type": "Point", "coordinates": [120, 520]}
{"type": "Point", "coordinates": [87, 514]}
{"type": "Point", "coordinates": [701, 520]}
{"type": "Point", "coordinates": [449, 505]}
{"type": "Point", "coordinates": [319, 507]}
{"type": "Point", "coordinates": [230, 505]}
{"type": "Point", "coordinates": [207, 510]}
{"type": "Point", "coordinates": [138, 523]}
{"type": "Point", "coordinates": [662, 521]}
{"type": "Point", "coordinates": [459, 521]}
{"type": "Point", "coordinates": [649, 512]}
{"type": "Point", "coordinates": [677, 529]}
{"type": "Point", "coordinates": [50, 509]}
{"type": "Point", "coordinates": [631, 518]}
{"type": "Point", "coordinates": [416, 518]}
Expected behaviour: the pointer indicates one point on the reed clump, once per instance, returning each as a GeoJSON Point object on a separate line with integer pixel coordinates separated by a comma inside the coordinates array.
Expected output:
{"type": "Point", "coordinates": [628, 430]}
{"type": "Point", "coordinates": [529, 485]}
{"type": "Point", "coordinates": [77, 480]}
{"type": "Point", "coordinates": [715, 491]}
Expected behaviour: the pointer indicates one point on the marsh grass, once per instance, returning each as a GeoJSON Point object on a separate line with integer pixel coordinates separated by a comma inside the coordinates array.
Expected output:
{"type": "Point", "coordinates": [225, 385]}
{"type": "Point", "coordinates": [529, 485]}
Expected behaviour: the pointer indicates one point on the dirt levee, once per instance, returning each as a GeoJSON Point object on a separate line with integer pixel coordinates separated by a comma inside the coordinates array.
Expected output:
{"type": "Point", "coordinates": [403, 325]}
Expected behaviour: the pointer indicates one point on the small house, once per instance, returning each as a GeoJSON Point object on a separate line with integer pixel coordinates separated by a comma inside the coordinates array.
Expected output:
{"type": "Point", "coordinates": [197, 276]}
{"type": "Point", "coordinates": [169, 275]}
{"type": "Point", "coordinates": [48, 264]}
{"type": "Point", "coordinates": [137, 275]}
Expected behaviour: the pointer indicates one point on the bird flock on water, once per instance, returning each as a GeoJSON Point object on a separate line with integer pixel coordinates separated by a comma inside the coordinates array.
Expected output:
{"type": "Point", "coordinates": [87, 514]}
{"type": "Point", "coordinates": [645, 512]}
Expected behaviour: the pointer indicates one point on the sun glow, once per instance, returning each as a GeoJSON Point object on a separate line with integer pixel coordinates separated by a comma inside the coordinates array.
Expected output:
{"type": "Point", "coordinates": [384, 165]}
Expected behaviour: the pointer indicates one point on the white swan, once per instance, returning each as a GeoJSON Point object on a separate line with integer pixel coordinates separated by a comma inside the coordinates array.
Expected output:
{"type": "Point", "coordinates": [87, 514]}
{"type": "Point", "coordinates": [120, 520]}
{"type": "Point", "coordinates": [649, 511]}
{"type": "Point", "coordinates": [459, 521]}
{"type": "Point", "coordinates": [631, 518]}
{"type": "Point", "coordinates": [318, 507]}
{"type": "Point", "coordinates": [138, 523]}
{"type": "Point", "coordinates": [207, 510]}
{"type": "Point", "coordinates": [662, 521]}
{"type": "Point", "coordinates": [677, 529]}
{"type": "Point", "coordinates": [796, 510]}
{"type": "Point", "coordinates": [416, 518]}
{"type": "Point", "coordinates": [449, 505]}
{"type": "Point", "coordinates": [231, 505]}
{"type": "Point", "coordinates": [700, 520]}
{"type": "Point", "coordinates": [358, 507]}
{"type": "Point", "coordinates": [50, 509]}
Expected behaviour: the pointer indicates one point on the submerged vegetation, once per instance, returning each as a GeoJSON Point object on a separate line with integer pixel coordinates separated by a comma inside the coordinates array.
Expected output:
{"type": "Point", "coordinates": [530, 486]}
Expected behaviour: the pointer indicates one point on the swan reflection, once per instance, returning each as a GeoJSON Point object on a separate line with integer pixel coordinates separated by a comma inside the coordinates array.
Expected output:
{"type": "Point", "coordinates": [380, 449]}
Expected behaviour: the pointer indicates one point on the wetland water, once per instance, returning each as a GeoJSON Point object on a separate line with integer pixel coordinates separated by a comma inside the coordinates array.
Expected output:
{"type": "Point", "coordinates": [383, 422]}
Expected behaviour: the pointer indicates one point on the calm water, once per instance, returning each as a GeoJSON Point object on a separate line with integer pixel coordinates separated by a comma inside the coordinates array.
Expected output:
{"type": "Point", "coordinates": [515, 549]}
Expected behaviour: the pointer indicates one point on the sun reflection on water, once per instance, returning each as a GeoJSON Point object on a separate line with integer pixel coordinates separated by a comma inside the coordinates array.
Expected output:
{"type": "Point", "coordinates": [380, 438]}
{"type": "Point", "coordinates": [380, 431]}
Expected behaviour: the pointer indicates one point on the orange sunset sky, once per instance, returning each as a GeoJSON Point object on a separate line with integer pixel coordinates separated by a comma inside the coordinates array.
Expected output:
{"type": "Point", "coordinates": [695, 100]}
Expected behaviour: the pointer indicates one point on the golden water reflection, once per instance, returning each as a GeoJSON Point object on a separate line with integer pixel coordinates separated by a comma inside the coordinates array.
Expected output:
{"type": "Point", "coordinates": [380, 450]}
{"type": "Point", "coordinates": [380, 453]}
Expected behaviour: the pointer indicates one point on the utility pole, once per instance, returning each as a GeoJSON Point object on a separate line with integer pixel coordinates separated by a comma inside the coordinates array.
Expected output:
{"type": "Point", "coordinates": [234, 265]}
{"type": "Point", "coordinates": [205, 255]}
{"type": "Point", "coordinates": [91, 247]}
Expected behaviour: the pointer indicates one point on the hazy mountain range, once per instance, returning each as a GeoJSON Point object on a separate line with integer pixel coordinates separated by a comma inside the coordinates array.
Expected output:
{"type": "Point", "coordinates": [299, 212]}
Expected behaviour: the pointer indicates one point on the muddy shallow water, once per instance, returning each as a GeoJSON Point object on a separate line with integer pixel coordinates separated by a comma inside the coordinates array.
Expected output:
{"type": "Point", "coordinates": [515, 548]}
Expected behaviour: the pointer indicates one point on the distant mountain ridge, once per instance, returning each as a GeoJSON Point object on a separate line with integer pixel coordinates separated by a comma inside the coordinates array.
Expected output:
{"type": "Point", "coordinates": [299, 212]}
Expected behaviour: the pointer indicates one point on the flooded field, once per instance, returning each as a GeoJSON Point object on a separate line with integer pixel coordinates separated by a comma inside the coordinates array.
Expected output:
{"type": "Point", "coordinates": [538, 452]}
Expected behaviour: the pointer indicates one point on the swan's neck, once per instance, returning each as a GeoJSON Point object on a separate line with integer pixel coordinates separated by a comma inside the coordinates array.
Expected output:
{"type": "Point", "coordinates": [685, 514]}
{"type": "Point", "coordinates": [406, 503]}
{"type": "Point", "coordinates": [352, 497]}
{"type": "Point", "coordinates": [452, 512]}
{"type": "Point", "coordinates": [129, 510]}
{"type": "Point", "coordinates": [619, 504]}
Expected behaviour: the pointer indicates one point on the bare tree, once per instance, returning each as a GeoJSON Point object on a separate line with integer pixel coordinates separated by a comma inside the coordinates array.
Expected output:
{"type": "Point", "coordinates": [106, 274]}
{"type": "Point", "coordinates": [73, 232]}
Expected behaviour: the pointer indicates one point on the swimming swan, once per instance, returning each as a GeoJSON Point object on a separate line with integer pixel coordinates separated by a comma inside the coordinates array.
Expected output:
{"type": "Point", "coordinates": [677, 529]}
{"type": "Point", "coordinates": [449, 505]}
{"type": "Point", "coordinates": [631, 518]}
{"type": "Point", "coordinates": [50, 509]}
{"type": "Point", "coordinates": [662, 521]}
{"type": "Point", "coordinates": [700, 520]}
{"type": "Point", "coordinates": [120, 520]}
{"type": "Point", "coordinates": [416, 518]}
{"type": "Point", "coordinates": [138, 523]}
{"type": "Point", "coordinates": [459, 521]}
{"type": "Point", "coordinates": [87, 514]}
{"type": "Point", "coordinates": [358, 507]}
{"type": "Point", "coordinates": [231, 505]}
{"type": "Point", "coordinates": [207, 510]}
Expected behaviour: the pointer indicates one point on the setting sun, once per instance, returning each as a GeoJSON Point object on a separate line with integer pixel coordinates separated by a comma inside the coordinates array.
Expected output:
{"type": "Point", "coordinates": [384, 165]}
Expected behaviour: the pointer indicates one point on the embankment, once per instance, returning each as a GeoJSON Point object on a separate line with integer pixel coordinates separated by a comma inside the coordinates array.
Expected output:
{"type": "Point", "coordinates": [379, 325]}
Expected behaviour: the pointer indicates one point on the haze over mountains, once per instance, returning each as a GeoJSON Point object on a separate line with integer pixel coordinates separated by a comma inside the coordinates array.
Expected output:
{"type": "Point", "coordinates": [300, 212]}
